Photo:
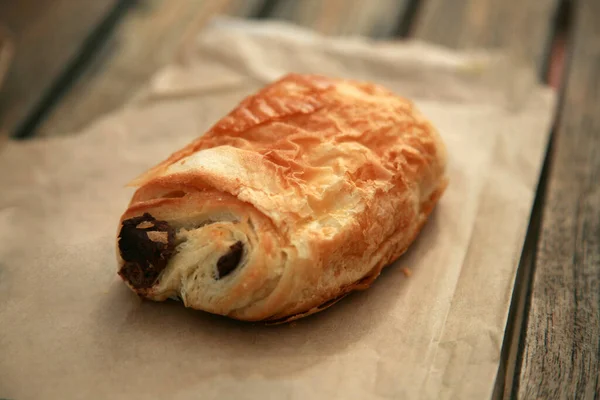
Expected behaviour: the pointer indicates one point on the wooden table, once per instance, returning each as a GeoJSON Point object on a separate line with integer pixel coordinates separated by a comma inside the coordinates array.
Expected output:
{"type": "Point", "coordinates": [76, 60]}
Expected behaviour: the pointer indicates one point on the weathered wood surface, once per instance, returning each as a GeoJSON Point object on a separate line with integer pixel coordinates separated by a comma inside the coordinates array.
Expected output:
{"type": "Point", "coordinates": [560, 359]}
{"type": "Point", "coordinates": [151, 33]}
{"type": "Point", "coordinates": [47, 35]}
{"type": "Point", "coordinates": [519, 27]}
{"type": "Point", "coordinates": [146, 39]}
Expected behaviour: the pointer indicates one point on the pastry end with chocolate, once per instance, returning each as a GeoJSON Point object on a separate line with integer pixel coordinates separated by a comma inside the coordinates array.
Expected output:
{"type": "Point", "coordinates": [145, 244]}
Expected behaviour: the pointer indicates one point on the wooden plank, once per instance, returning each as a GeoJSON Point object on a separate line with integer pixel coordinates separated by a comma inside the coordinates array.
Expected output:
{"type": "Point", "coordinates": [375, 18]}
{"type": "Point", "coordinates": [560, 358]}
{"type": "Point", "coordinates": [147, 38]}
{"type": "Point", "coordinates": [519, 27]}
{"type": "Point", "coordinates": [47, 35]}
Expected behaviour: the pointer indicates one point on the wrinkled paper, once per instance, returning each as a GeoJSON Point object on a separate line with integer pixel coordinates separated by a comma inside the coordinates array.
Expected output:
{"type": "Point", "coordinates": [70, 329]}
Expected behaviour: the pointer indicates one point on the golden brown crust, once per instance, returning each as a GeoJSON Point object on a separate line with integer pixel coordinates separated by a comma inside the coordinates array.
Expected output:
{"type": "Point", "coordinates": [322, 182]}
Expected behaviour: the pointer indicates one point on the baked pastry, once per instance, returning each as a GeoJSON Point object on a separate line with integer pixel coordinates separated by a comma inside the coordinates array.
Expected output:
{"type": "Point", "coordinates": [302, 194]}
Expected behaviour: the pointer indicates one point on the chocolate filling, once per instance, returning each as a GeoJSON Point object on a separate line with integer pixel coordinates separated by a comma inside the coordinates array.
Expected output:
{"type": "Point", "coordinates": [230, 261]}
{"type": "Point", "coordinates": [146, 246]}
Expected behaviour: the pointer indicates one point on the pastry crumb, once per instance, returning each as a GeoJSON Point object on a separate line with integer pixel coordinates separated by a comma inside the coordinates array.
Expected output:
{"type": "Point", "coordinates": [145, 225]}
{"type": "Point", "coordinates": [160, 237]}
{"type": "Point", "coordinates": [407, 272]}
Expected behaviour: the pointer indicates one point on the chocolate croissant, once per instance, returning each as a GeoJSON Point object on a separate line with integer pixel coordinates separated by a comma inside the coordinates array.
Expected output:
{"type": "Point", "coordinates": [300, 195]}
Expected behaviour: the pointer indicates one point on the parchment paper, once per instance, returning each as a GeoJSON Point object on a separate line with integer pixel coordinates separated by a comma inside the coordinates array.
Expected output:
{"type": "Point", "coordinates": [70, 329]}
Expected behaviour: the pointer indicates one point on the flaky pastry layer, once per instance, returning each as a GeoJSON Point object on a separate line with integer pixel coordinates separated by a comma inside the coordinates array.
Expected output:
{"type": "Point", "coordinates": [300, 195]}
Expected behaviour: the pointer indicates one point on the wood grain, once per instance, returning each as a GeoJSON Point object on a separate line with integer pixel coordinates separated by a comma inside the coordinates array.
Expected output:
{"type": "Point", "coordinates": [560, 356]}
{"type": "Point", "coordinates": [47, 35]}
{"type": "Point", "coordinates": [519, 27]}
{"type": "Point", "coordinates": [148, 37]}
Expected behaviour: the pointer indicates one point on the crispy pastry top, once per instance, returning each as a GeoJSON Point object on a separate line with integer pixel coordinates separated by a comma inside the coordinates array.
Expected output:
{"type": "Point", "coordinates": [344, 171]}
{"type": "Point", "coordinates": [304, 144]}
